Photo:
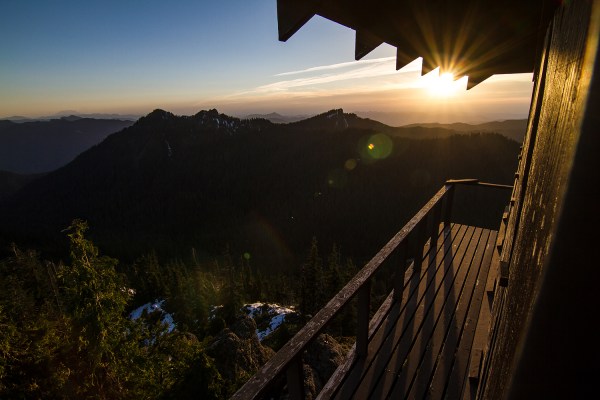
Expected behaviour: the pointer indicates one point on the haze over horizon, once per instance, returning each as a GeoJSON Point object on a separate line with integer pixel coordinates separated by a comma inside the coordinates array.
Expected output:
{"type": "Point", "coordinates": [110, 57]}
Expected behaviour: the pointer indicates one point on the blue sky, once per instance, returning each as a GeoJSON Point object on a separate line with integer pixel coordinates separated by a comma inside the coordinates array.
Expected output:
{"type": "Point", "coordinates": [133, 56]}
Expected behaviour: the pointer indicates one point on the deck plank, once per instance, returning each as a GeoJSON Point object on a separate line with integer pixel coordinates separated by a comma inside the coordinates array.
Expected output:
{"type": "Point", "coordinates": [381, 375]}
{"type": "Point", "coordinates": [458, 378]}
{"type": "Point", "coordinates": [381, 337]}
{"type": "Point", "coordinates": [482, 330]}
{"type": "Point", "coordinates": [420, 347]}
{"type": "Point", "coordinates": [336, 379]}
{"type": "Point", "coordinates": [446, 322]}
{"type": "Point", "coordinates": [459, 330]}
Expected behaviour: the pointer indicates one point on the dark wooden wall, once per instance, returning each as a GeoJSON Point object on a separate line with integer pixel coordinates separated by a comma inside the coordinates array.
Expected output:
{"type": "Point", "coordinates": [546, 343]}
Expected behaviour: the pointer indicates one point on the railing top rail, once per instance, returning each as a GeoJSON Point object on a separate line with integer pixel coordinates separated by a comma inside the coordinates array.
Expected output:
{"type": "Point", "coordinates": [476, 182]}
{"type": "Point", "coordinates": [258, 384]}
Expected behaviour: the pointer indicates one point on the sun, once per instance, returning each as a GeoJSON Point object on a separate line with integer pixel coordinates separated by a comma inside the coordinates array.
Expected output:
{"type": "Point", "coordinates": [442, 85]}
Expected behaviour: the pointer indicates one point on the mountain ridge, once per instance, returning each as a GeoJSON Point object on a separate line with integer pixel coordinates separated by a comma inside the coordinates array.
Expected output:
{"type": "Point", "coordinates": [278, 118]}
{"type": "Point", "coordinates": [72, 113]}
{"type": "Point", "coordinates": [171, 183]}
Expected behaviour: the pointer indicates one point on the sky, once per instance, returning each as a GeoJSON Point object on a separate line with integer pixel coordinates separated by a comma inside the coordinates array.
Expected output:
{"type": "Point", "coordinates": [130, 57]}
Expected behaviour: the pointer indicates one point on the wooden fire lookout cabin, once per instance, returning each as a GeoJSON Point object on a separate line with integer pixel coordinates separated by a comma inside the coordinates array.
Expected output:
{"type": "Point", "coordinates": [479, 313]}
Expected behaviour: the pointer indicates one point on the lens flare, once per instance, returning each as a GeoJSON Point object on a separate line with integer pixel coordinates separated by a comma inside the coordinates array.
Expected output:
{"type": "Point", "coordinates": [379, 146]}
{"type": "Point", "coordinates": [350, 164]}
{"type": "Point", "coordinates": [338, 178]}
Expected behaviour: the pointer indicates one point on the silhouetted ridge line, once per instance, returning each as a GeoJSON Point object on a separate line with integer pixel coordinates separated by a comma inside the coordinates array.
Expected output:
{"type": "Point", "coordinates": [169, 183]}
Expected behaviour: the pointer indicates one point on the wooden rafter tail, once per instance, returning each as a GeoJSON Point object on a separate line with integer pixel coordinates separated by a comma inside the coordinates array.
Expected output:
{"type": "Point", "coordinates": [403, 59]}
{"type": "Point", "coordinates": [292, 15]}
{"type": "Point", "coordinates": [475, 80]}
{"type": "Point", "coordinates": [366, 42]}
{"type": "Point", "coordinates": [428, 66]}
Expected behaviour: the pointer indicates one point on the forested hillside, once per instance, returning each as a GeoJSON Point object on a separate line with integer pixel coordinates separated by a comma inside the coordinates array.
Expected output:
{"type": "Point", "coordinates": [11, 183]}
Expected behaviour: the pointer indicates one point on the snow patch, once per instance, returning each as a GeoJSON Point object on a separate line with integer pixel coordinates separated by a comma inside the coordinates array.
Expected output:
{"type": "Point", "coordinates": [155, 306]}
{"type": "Point", "coordinates": [213, 312]}
{"type": "Point", "coordinates": [335, 113]}
{"type": "Point", "coordinates": [221, 122]}
{"type": "Point", "coordinates": [276, 315]}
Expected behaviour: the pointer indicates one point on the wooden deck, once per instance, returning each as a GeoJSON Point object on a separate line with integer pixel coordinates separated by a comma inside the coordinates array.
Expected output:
{"type": "Point", "coordinates": [429, 338]}
{"type": "Point", "coordinates": [420, 347]}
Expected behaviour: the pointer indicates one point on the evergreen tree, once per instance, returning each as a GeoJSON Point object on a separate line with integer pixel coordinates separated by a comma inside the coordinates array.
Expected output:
{"type": "Point", "coordinates": [66, 335]}
{"type": "Point", "coordinates": [95, 299]}
{"type": "Point", "coordinates": [311, 282]}
{"type": "Point", "coordinates": [251, 280]}
{"type": "Point", "coordinates": [231, 298]}
{"type": "Point", "coordinates": [147, 276]}
{"type": "Point", "coordinates": [198, 377]}
{"type": "Point", "coordinates": [187, 301]}
{"type": "Point", "coordinates": [333, 278]}
{"type": "Point", "coordinates": [32, 329]}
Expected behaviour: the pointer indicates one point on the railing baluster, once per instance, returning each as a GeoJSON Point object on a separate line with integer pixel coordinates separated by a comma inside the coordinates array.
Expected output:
{"type": "Point", "coordinates": [295, 379]}
{"type": "Point", "coordinates": [400, 263]}
{"type": "Point", "coordinates": [436, 218]}
{"type": "Point", "coordinates": [420, 242]}
{"type": "Point", "coordinates": [364, 308]}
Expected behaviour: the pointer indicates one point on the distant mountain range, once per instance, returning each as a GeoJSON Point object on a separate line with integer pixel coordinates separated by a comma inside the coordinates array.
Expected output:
{"type": "Point", "coordinates": [402, 118]}
{"type": "Point", "coordinates": [278, 118]}
{"type": "Point", "coordinates": [211, 181]}
{"type": "Point", "coordinates": [513, 128]}
{"type": "Point", "coordinates": [72, 115]}
{"type": "Point", "coordinates": [41, 146]}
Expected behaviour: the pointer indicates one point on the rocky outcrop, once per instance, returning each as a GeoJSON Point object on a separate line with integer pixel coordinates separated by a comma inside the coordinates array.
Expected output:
{"type": "Point", "coordinates": [321, 359]}
{"type": "Point", "coordinates": [237, 352]}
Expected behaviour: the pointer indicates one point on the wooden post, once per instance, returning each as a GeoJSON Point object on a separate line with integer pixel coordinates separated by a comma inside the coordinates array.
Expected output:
{"type": "Point", "coordinates": [364, 308]}
{"type": "Point", "coordinates": [504, 273]}
{"type": "Point", "coordinates": [449, 198]}
{"type": "Point", "coordinates": [295, 379]}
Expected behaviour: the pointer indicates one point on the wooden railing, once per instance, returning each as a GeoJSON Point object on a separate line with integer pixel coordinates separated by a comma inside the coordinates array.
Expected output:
{"type": "Point", "coordinates": [406, 244]}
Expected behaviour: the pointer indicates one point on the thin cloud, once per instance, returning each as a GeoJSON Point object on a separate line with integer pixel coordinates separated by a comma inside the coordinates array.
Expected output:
{"type": "Point", "coordinates": [366, 71]}
{"type": "Point", "coordinates": [359, 71]}
{"type": "Point", "coordinates": [386, 60]}
{"type": "Point", "coordinates": [376, 84]}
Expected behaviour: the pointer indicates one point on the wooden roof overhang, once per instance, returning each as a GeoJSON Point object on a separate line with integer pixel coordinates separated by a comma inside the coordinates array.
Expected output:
{"type": "Point", "coordinates": [477, 38]}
